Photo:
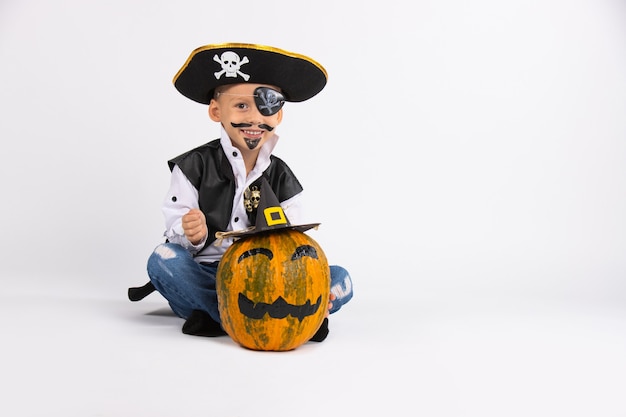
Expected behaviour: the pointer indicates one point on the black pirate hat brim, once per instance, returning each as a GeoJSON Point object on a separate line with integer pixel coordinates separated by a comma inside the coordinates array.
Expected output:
{"type": "Point", "coordinates": [299, 77]}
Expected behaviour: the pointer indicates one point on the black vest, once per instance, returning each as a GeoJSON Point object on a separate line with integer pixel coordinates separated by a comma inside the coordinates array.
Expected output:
{"type": "Point", "coordinates": [208, 169]}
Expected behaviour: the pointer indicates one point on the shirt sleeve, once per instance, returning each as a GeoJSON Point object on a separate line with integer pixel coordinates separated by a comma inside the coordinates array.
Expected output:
{"type": "Point", "coordinates": [181, 197]}
{"type": "Point", "coordinates": [294, 209]}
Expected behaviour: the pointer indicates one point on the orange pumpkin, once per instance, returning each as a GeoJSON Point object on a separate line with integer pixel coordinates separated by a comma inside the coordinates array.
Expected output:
{"type": "Point", "coordinates": [273, 290]}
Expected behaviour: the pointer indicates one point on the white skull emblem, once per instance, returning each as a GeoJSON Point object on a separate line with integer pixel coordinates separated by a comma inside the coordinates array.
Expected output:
{"type": "Point", "coordinates": [231, 65]}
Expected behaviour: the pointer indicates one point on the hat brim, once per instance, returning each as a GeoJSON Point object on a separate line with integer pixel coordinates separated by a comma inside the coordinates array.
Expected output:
{"type": "Point", "coordinates": [299, 77]}
{"type": "Point", "coordinates": [252, 230]}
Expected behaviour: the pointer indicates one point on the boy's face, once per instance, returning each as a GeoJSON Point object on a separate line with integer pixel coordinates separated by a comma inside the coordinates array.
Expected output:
{"type": "Point", "coordinates": [235, 108]}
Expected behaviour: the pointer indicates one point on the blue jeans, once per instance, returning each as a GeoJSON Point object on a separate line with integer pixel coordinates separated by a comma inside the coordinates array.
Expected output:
{"type": "Point", "coordinates": [188, 285]}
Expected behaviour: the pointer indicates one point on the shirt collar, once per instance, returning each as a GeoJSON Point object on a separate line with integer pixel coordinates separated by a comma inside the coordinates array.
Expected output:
{"type": "Point", "coordinates": [263, 160]}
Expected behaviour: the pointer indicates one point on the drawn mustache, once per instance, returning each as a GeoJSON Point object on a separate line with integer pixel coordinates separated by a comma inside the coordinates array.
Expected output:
{"type": "Point", "coordinates": [279, 309]}
{"type": "Point", "coordinates": [261, 126]}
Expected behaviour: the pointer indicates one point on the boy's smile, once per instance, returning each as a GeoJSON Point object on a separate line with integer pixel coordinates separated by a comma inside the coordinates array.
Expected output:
{"type": "Point", "coordinates": [252, 137]}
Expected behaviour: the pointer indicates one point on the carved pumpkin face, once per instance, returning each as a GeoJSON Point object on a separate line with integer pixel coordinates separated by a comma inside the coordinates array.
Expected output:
{"type": "Point", "coordinates": [273, 290]}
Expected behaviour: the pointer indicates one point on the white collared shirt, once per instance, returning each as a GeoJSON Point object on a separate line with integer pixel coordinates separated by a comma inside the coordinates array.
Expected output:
{"type": "Point", "coordinates": [187, 198]}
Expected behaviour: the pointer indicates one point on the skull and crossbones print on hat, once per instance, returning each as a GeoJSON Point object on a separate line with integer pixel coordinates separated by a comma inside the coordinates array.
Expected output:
{"type": "Point", "coordinates": [299, 77]}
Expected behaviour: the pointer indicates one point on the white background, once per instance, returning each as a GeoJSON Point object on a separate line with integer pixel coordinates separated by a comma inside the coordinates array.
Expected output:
{"type": "Point", "coordinates": [466, 161]}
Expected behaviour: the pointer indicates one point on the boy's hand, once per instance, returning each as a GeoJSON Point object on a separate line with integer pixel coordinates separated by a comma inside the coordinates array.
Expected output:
{"type": "Point", "coordinates": [330, 304]}
{"type": "Point", "coordinates": [194, 226]}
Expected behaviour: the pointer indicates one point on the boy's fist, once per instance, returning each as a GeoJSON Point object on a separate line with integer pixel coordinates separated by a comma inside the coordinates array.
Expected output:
{"type": "Point", "coordinates": [194, 226]}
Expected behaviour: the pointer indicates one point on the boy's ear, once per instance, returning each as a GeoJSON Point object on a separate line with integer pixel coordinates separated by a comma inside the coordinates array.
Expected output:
{"type": "Point", "coordinates": [214, 111]}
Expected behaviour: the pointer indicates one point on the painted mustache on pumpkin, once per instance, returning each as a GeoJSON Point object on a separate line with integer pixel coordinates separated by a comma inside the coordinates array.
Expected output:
{"type": "Point", "coordinates": [279, 309]}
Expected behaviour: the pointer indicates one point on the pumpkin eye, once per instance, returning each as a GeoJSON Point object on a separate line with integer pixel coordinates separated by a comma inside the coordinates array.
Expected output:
{"type": "Point", "coordinates": [304, 250]}
{"type": "Point", "coordinates": [256, 251]}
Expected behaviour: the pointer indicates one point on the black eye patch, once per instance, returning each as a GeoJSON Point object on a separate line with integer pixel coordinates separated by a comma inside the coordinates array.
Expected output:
{"type": "Point", "coordinates": [268, 100]}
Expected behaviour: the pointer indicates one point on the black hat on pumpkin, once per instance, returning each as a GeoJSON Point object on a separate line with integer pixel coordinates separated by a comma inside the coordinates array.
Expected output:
{"type": "Point", "coordinates": [299, 77]}
{"type": "Point", "coordinates": [270, 217]}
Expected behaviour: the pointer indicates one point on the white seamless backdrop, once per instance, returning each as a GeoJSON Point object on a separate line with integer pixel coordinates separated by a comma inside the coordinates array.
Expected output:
{"type": "Point", "coordinates": [472, 145]}
{"type": "Point", "coordinates": [460, 149]}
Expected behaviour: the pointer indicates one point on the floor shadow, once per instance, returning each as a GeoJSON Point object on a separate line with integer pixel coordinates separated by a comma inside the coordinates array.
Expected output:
{"type": "Point", "coordinates": [162, 312]}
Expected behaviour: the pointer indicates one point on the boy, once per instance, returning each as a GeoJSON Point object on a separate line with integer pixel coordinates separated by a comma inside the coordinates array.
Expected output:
{"type": "Point", "coordinates": [215, 187]}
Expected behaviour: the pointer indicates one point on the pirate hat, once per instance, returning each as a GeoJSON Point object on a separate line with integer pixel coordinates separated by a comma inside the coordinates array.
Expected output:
{"type": "Point", "coordinates": [270, 217]}
{"type": "Point", "coordinates": [211, 66]}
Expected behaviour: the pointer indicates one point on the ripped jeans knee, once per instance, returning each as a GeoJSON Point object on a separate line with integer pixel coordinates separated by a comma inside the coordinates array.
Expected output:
{"type": "Point", "coordinates": [340, 286]}
{"type": "Point", "coordinates": [184, 283]}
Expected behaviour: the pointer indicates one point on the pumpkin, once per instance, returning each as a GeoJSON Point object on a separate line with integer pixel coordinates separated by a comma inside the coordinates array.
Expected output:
{"type": "Point", "coordinates": [273, 290]}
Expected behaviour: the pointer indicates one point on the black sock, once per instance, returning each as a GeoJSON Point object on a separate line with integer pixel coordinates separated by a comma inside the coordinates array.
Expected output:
{"type": "Point", "coordinates": [322, 332]}
{"type": "Point", "coordinates": [200, 323]}
{"type": "Point", "coordinates": [139, 293]}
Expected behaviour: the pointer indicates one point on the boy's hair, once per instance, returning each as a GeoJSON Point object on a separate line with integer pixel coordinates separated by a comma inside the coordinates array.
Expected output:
{"type": "Point", "coordinates": [218, 90]}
